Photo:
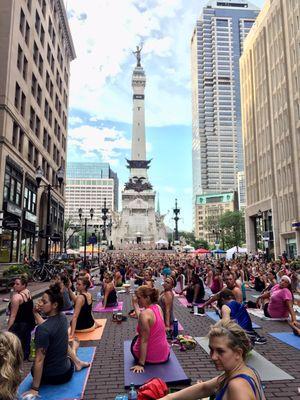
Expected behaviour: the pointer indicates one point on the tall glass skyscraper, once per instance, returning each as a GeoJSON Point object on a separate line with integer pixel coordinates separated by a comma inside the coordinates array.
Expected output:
{"type": "Point", "coordinates": [216, 46]}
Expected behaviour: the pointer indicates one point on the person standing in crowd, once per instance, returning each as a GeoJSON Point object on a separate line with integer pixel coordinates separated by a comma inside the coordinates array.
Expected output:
{"type": "Point", "coordinates": [21, 318]}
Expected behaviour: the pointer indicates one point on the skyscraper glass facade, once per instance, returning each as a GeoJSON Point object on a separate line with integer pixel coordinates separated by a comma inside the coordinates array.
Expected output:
{"type": "Point", "coordinates": [216, 46]}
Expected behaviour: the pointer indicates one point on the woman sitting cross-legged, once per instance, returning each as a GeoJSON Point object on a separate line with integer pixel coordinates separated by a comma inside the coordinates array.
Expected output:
{"type": "Point", "coordinates": [83, 320]}
{"type": "Point", "coordinates": [109, 291]}
{"type": "Point", "coordinates": [166, 300]}
{"type": "Point", "coordinates": [195, 291]}
{"type": "Point", "coordinates": [55, 360]}
{"type": "Point", "coordinates": [150, 346]}
{"type": "Point", "coordinates": [229, 345]}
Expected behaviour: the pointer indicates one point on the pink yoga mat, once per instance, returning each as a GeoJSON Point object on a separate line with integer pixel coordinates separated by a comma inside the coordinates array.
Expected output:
{"type": "Point", "coordinates": [99, 307]}
{"type": "Point", "coordinates": [185, 303]}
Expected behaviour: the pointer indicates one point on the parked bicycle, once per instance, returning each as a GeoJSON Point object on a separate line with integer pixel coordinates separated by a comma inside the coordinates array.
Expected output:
{"type": "Point", "coordinates": [44, 272]}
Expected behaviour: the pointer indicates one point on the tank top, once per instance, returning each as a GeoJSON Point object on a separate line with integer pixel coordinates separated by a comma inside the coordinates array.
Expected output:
{"type": "Point", "coordinates": [112, 299]}
{"type": "Point", "coordinates": [249, 379]}
{"type": "Point", "coordinates": [162, 303]}
{"type": "Point", "coordinates": [85, 318]}
{"type": "Point", "coordinates": [25, 311]}
{"type": "Point", "coordinates": [158, 349]}
{"type": "Point", "coordinates": [215, 286]}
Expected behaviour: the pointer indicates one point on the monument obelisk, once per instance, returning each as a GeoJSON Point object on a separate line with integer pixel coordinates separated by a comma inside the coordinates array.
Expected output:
{"type": "Point", "coordinates": [138, 223]}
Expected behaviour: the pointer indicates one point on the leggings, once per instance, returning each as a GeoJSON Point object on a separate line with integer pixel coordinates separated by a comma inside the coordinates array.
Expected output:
{"type": "Point", "coordinates": [57, 379]}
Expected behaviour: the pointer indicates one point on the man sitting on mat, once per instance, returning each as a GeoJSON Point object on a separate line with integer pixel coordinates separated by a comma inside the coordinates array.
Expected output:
{"type": "Point", "coordinates": [231, 309]}
{"type": "Point", "coordinates": [55, 360]}
{"type": "Point", "coordinates": [150, 345]}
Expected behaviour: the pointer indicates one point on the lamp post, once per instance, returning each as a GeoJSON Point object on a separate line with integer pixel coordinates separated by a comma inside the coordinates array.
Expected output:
{"type": "Point", "coordinates": [259, 216]}
{"type": "Point", "coordinates": [176, 211]}
{"type": "Point", "coordinates": [85, 231]}
{"type": "Point", "coordinates": [217, 233]}
{"type": "Point", "coordinates": [104, 219]}
{"type": "Point", "coordinates": [39, 174]}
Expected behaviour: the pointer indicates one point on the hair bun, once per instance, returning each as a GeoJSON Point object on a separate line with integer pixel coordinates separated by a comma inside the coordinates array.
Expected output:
{"type": "Point", "coordinates": [55, 288]}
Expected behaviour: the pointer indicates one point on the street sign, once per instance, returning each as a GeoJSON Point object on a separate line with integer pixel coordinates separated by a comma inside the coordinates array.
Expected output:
{"type": "Point", "coordinates": [55, 237]}
{"type": "Point", "coordinates": [93, 239]}
{"type": "Point", "coordinates": [11, 222]}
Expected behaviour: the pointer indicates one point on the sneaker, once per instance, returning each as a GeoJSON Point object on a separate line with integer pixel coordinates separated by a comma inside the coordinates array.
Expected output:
{"type": "Point", "coordinates": [260, 340]}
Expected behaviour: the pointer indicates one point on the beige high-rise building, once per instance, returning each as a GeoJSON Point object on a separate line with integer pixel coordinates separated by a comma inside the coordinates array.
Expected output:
{"type": "Point", "coordinates": [36, 49]}
{"type": "Point", "coordinates": [270, 76]}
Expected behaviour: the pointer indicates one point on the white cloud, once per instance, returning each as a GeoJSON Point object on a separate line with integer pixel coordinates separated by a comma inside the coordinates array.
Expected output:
{"type": "Point", "coordinates": [94, 142]}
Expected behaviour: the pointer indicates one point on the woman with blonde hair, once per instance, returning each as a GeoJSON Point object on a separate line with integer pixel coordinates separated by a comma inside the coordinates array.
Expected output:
{"type": "Point", "coordinates": [11, 359]}
{"type": "Point", "coordinates": [229, 346]}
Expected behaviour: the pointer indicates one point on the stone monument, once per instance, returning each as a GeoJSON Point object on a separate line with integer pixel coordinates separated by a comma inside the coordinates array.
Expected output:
{"type": "Point", "coordinates": [138, 223]}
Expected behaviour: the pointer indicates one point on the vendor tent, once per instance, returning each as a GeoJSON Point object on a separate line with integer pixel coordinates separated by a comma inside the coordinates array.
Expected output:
{"type": "Point", "coordinates": [162, 241]}
{"type": "Point", "coordinates": [234, 250]}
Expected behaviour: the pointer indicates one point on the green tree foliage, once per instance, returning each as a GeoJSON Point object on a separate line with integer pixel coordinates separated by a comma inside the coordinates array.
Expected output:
{"type": "Point", "coordinates": [192, 241]}
{"type": "Point", "coordinates": [232, 226]}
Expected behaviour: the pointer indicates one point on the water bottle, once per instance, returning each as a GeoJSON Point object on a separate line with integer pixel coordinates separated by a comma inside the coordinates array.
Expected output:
{"type": "Point", "coordinates": [132, 394]}
{"type": "Point", "coordinates": [32, 349]}
{"type": "Point", "coordinates": [175, 328]}
{"type": "Point", "coordinates": [99, 297]}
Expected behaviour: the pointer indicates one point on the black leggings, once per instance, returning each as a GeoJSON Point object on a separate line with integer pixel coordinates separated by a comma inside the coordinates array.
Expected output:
{"type": "Point", "coordinates": [23, 331]}
{"type": "Point", "coordinates": [57, 379]}
{"type": "Point", "coordinates": [266, 312]}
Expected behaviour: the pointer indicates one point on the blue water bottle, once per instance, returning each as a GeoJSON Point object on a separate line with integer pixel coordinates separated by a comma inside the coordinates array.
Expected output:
{"type": "Point", "coordinates": [175, 328]}
{"type": "Point", "coordinates": [132, 394]}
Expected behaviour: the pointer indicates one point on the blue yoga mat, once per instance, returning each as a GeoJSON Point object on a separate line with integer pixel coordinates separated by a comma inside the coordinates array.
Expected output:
{"type": "Point", "coordinates": [288, 338]}
{"type": "Point", "coordinates": [215, 317]}
{"type": "Point", "coordinates": [170, 372]}
{"type": "Point", "coordinates": [73, 389]}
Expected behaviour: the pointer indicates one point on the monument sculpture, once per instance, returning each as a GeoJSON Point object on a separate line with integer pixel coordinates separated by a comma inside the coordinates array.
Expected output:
{"type": "Point", "coordinates": [138, 222]}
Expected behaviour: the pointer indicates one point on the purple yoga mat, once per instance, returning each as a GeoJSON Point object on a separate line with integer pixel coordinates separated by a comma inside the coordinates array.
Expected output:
{"type": "Point", "coordinates": [99, 307]}
{"type": "Point", "coordinates": [171, 371]}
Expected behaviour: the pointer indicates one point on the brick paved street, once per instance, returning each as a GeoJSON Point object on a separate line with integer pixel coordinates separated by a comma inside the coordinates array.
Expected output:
{"type": "Point", "coordinates": [106, 378]}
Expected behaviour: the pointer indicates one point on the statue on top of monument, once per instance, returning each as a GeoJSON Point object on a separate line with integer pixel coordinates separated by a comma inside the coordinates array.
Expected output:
{"type": "Point", "coordinates": [137, 54]}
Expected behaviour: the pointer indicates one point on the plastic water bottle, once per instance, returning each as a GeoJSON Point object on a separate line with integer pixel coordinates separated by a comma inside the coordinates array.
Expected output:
{"type": "Point", "coordinates": [32, 349]}
{"type": "Point", "coordinates": [175, 328]}
{"type": "Point", "coordinates": [99, 297]}
{"type": "Point", "coordinates": [132, 394]}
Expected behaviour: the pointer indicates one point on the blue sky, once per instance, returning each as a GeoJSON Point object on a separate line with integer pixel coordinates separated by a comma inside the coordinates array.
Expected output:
{"type": "Point", "coordinates": [105, 32]}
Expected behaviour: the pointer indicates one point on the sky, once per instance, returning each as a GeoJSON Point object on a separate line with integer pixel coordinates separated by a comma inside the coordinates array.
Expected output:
{"type": "Point", "coordinates": [105, 32]}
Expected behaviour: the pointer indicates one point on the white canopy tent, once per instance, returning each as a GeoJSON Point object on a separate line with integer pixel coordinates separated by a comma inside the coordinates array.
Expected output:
{"type": "Point", "coordinates": [161, 241]}
{"type": "Point", "coordinates": [233, 250]}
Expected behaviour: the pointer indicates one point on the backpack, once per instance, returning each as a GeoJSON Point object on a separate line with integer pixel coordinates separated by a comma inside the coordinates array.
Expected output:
{"type": "Point", "coordinates": [153, 389]}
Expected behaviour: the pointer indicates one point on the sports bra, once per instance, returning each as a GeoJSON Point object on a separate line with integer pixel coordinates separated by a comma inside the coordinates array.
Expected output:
{"type": "Point", "coordinates": [249, 379]}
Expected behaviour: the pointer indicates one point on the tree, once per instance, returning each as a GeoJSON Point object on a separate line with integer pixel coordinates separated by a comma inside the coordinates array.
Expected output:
{"type": "Point", "coordinates": [192, 241]}
{"type": "Point", "coordinates": [232, 226]}
{"type": "Point", "coordinates": [69, 232]}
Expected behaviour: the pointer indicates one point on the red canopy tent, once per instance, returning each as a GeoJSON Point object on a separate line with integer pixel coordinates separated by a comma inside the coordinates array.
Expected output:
{"type": "Point", "coordinates": [201, 251]}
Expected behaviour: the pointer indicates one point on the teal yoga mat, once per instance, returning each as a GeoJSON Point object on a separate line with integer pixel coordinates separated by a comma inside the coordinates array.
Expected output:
{"type": "Point", "coordinates": [74, 389]}
{"type": "Point", "coordinates": [215, 317]}
{"type": "Point", "coordinates": [289, 338]}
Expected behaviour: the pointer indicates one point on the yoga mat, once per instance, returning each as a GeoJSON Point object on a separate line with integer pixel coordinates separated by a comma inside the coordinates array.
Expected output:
{"type": "Point", "coordinates": [215, 317]}
{"type": "Point", "coordinates": [183, 301]}
{"type": "Point", "coordinates": [74, 389]}
{"type": "Point", "coordinates": [260, 314]}
{"type": "Point", "coordinates": [95, 334]}
{"type": "Point", "coordinates": [266, 370]}
{"type": "Point", "coordinates": [99, 308]}
{"type": "Point", "coordinates": [171, 371]}
{"type": "Point", "coordinates": [289, 338]}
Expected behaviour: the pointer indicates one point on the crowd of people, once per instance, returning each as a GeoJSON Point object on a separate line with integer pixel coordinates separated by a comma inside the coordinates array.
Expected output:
{"type": "Point", "coordinates": [158, 278]}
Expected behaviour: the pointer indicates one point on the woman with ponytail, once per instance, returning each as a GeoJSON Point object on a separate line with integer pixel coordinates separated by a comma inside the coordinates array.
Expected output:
{"type": "Point", "coordinates": [55, 360]}
{"type": "Point", "coordinates": [150, 345]}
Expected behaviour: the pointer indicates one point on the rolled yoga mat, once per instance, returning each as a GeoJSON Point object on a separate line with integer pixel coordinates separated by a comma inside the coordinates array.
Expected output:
{"type": "Point", "coordinates": [171, 371]}
{"type": "Point", "coordinates": [99, 307]}
{"type": "Point", "coordinates": [215, 317]}
{"type": "Point", "coordinates": [265, 369]}
{"type": "Point", "coordinates": [289, 338]}
{"type": "Point", "coordinates": [72, 390]}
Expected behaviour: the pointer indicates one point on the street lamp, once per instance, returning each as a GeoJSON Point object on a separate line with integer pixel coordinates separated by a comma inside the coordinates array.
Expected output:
{"type": "Point", "coordinates": [85, 230]}
{"type": "Point", "coordinates": [39, 174]}
{"type": "Point", "coordinates": [104, 219]}
{"type": "Point", "coordinates": [176, 211]}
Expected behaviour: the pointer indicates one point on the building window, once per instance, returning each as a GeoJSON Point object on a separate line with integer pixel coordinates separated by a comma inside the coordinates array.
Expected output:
{"type": "Point", "coordinates": [12, 186]}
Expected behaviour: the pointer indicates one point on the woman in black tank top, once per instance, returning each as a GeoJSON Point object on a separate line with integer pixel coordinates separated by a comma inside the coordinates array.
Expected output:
{"type": "Point", "coordinates": [110, 295]}
{"type": "Point", "coordinates": [21, 320]}
{"type": "Point", "coordinates": [83, 320]}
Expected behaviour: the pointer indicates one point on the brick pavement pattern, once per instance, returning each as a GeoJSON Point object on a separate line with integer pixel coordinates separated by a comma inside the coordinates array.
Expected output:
{"type": "Point", "coordinates": [106, 378]}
